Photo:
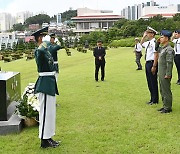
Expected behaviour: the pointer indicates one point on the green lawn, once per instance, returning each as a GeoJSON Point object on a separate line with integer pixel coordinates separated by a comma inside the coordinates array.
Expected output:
{"type": "Point", "coordinates": [105, 117]}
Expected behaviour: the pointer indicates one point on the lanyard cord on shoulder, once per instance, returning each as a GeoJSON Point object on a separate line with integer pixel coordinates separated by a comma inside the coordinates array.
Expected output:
{"type": "Point", "coordinates": [146, 50]}
{"type": "Point", "coordinates": [176, 45]}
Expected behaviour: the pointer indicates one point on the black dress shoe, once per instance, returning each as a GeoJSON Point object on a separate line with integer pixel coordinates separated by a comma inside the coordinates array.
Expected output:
{"type": "Point", "coordinates": [139, 69]}
{"type": "Point", "coordinates": [102, 79]}
{"type": "Point", "coordinates": [55, 142]}
{"type": "Point", "coordinates": [96, 80]}
{"type": "Point", "coordinates": [46, 143]}
{"type": "Point", "coordinates": [160, 109]}
{"type": "Point", "coordinates": [166, 111]}
{"type": "Point", "coordinates": [152, 103]}
{"type": "Point", "coordinates": [178, 83]}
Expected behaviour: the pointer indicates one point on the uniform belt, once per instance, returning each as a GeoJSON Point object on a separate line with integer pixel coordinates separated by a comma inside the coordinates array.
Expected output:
{"type": "Point", "coordinates": [46, 73]}
{"type": "Point", "coordinates": [150, 61]}
{"type": "Point", "coordinates": [55, 62]}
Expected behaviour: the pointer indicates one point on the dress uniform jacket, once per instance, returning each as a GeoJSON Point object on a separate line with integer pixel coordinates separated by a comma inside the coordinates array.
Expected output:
{"type": "Point", "coordinates": [45, 63]}
{"type": "Point", "coordinates": [53, 48]}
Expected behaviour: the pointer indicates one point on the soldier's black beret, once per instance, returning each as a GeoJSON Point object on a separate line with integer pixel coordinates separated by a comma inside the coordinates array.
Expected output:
{"type": "Point", "coordinates": [39, 32]}
{"type": "Point", "coordinates": [166, 33]}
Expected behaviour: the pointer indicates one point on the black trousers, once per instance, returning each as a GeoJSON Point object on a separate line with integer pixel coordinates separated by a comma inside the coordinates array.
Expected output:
{"type": "Point", "coordinates": [152, 82]}
{"type": "Point", "coordinates": [100, 64]}
{"type": "Point", "coordinates": [177, 63]}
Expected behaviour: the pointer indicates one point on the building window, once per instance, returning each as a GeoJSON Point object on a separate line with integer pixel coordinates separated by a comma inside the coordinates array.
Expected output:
{"type": "Point", "coordinates": [100, 25]}
{"type": "Point", "coordinates": [110, 24]}
{"type": "Point", "coordinates": [178, 7]}
{"type": "Point", "coordinates": [86, 25]}
{"type": "Point", "coordinates": [104, 24]}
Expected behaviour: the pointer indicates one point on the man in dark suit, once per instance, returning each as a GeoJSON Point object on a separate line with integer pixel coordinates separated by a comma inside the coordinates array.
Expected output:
{"type": "Point", "coordinates": [99, 54]}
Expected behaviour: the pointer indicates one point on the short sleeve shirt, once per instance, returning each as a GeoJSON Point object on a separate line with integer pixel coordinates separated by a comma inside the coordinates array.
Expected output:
{"type": "Point", "coordinates": [176, 46]}
{"type": "Point", "coordinates": [149, 49]}
{"type": "Point", "coordinates": [138, 47]}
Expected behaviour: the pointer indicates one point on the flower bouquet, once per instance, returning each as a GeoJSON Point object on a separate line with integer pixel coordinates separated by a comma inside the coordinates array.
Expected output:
{"type": "Point", "coordinates": [28, 107]}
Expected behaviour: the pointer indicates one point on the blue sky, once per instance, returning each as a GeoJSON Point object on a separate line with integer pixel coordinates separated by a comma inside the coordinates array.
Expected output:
{"type": "Point", "coordinates": [4, 3]}
{"type": "Point", "coordinates": [52, 7]}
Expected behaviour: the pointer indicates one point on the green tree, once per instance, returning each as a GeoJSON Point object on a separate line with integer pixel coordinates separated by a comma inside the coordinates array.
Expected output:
{"type": "Point", "coordinates": [18, 27]}
{"type": "Point", "coordinates": [14, 46]}
{"type": "Point", "coordinates": [38, 19]}
{"type": "Point", "coordinates": [20, 46]}
{"type": "Point", "coordinates": [67, 15]}
{"type": "Point", "coordinates": [120, 23]}
{"type": "Point", "coordinates": [3, 46]}
{"type": "Point", "coordinates": [176, 17]}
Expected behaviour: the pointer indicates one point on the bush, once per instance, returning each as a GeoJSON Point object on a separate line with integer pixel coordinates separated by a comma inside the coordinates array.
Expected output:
{"type": "Point", "coordinates": [128, 42]}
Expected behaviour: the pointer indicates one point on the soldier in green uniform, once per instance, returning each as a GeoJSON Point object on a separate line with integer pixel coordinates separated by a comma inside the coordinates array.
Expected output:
{"type": "Point", "coordinates": [165, 66]}
{"type": "Point", "coordinates": [53, 48]}
{"type": "Point", "coordinates": [46, 88]}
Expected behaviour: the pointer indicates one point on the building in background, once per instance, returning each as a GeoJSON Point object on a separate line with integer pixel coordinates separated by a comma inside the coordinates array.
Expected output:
{"type": "Point", "coordinates": [6, 22]}
{"type": "Point", "coordinates": [34, 27]}
{"type": "Point", "coordinates": [148, 10]}
{"type": "Point", "coordinates": [22, 16]}
{"type": "Point", "coordinates": [59, 21]}
{"type": "Point", "coordinates": [89, 20]}
{"type": "Point", "coordinates": [8, 39]}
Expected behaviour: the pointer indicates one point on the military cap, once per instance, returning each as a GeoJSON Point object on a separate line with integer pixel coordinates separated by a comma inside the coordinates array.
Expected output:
{"type": "Point", "coordinates": [166, 33]}
{"type": "Point", "coordinates": [177, 31]}
{"type": "Point", "coordinates": [52, 35]}
{"type": "Point", "coordinates": [151, 30]}
{"type": "Point", "coordinates": [39, 32]}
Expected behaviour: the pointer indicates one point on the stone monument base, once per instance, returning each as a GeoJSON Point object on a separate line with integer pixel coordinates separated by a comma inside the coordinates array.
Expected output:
{"type": "Point", "coordinates": [13, 125]}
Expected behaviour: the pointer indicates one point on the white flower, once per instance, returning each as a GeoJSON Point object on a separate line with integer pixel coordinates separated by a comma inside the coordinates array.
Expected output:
{"type": "Point", "coordinates": [30, 91]}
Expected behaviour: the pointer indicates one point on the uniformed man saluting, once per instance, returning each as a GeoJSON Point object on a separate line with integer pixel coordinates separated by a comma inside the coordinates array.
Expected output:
{"type": "Point", "coordinates": [176, 40]}
{"type": "Point", "coordinates": [151, 57]}
{"type": "Point", "coordinates": [46, 87]}
{"type": "Point", "coordinates": [53, 48]}
{"type": "Point", "coordinates": [165, 66]}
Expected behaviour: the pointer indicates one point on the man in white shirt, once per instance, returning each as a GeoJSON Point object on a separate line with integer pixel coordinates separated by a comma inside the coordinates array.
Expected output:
{"type": "Point", "coordinates": [138, 53]}
{"type": "Point", "coordinates": [176, 40]}
{"type": "Point", "coordinates": [151, 57]}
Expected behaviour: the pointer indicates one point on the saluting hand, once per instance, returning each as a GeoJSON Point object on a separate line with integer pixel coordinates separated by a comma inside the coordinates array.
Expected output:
{"type": "Point", "coordinates": [145, 34]}
{"type": "Point", "coordinates": [100, 58]}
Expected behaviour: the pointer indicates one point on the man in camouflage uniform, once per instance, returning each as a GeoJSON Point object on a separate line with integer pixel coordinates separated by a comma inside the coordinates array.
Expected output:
{"type": "Point", "coordinates": [165, 65]}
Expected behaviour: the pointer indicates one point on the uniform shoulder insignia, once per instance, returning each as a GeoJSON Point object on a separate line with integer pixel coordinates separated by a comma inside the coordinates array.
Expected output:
{"type": "Point", "coordinates": [42, 45]}
{"type": "Point", "coordinates": [170, 51]}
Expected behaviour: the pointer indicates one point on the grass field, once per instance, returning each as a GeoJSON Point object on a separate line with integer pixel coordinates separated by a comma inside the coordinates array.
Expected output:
{"type": "Point", "coordinates": [105, 117]}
